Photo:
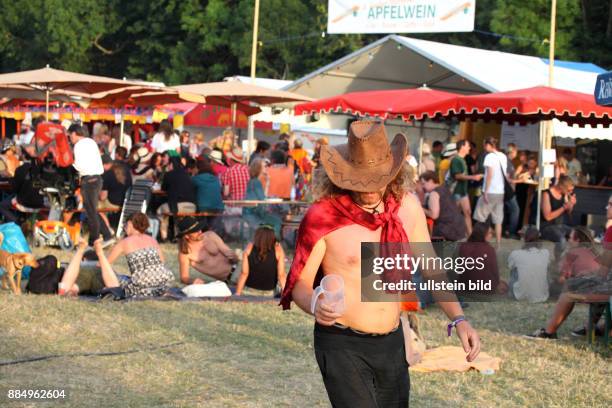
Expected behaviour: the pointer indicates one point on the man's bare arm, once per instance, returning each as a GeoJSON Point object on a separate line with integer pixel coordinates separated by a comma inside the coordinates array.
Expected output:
{"type": "Point", "coordinates": [302, 292]}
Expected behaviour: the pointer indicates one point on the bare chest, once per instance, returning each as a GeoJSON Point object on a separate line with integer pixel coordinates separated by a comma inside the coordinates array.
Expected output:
{"type": "Point", "coordinates": [343, 246]}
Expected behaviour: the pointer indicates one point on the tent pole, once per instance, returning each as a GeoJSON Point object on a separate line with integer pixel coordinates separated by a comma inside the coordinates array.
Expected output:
{"type": "Point", "coordinates": [421, 141]}
{"type": "Point", "coordinates": [234, 117]}
{"type": "Point", "coordinates": [551, 47]}
{"type": "Point", "coordinates": [47, 104]}
{"type": "Point", "coordinates": [121, 131]}
{"type": "Point", "coordinates": [251, 128]}
{"type": "Point", "coordinates": [542, 136]}
{"type": "Point", "coordinates": [547, 142]}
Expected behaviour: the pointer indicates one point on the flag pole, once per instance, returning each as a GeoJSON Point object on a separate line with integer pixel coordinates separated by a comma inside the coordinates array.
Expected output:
{"type": "Point", "coordinates": [551, 49]}
{"type": "Point", "coordinates": [546, 140]}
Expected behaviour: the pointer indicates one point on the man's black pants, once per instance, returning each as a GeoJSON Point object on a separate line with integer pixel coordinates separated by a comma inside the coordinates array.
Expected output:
{"type": "Point", "coordinates": [90, 191]}
{"type": "Point", "coordinates": [362, 370]}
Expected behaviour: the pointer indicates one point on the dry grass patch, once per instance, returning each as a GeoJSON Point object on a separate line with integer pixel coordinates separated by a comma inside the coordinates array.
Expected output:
{"type": "Point", "coordinates": [253, 355]}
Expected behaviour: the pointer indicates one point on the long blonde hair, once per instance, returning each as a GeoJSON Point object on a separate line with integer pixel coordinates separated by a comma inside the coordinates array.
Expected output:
{"type": "Point", "coordinates": [322, 186]}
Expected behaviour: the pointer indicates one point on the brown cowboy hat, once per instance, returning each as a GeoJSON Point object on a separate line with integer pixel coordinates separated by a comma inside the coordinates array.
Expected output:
{"type": "Point", "coordinates": [367, 162]}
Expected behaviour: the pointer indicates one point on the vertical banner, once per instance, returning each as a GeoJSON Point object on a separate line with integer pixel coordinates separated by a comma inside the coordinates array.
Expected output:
{"type": "Point", "coordinates": [400, 16]}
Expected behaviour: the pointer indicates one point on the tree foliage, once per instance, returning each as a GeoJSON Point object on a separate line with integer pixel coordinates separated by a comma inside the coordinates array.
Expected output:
{"type": "Point", "coordinates": [186, 41]}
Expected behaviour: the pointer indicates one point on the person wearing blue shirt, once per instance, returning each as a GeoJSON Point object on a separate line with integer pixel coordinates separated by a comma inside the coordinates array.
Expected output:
{"type": "Point", "coordinates": [208, 193]}
{"type": "Point", "coordinates": [208, 188]}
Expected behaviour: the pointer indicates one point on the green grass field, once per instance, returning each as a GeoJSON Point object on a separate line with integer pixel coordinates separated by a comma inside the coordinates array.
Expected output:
{"type": "Point", "coordinates": [254, 355]}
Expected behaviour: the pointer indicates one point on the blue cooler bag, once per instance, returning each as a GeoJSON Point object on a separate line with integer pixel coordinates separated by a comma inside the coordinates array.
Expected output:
{"type": "Point", "coordinates": [14, 241]}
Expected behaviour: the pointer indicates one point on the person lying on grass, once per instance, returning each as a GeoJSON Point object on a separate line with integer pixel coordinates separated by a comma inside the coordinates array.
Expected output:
{"type": "Point", "coordinates": [149, 276]}
{"type": "Point", "coordinates": [263, 262]}
{"type": "Point", "coordinates": [205, 251]}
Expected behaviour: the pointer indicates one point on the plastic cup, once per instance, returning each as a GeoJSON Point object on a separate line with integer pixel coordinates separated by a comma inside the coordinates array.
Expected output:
{"type": "Point", "coordinates": [332, 288]}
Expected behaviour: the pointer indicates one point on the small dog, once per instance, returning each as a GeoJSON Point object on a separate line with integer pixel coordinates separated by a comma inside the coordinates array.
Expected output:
{"type": "Point", "coordinates": [12, 265]}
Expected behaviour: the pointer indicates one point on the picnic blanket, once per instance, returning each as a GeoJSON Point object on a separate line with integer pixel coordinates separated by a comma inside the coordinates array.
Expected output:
{"type": "Point", "coordinates": [452, 358]}
{"type": "Point", "coordinates": [228, 299]}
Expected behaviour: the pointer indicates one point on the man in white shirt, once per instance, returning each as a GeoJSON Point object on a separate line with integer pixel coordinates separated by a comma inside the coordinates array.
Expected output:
{"type": "Point", "coordinates": [491, 202]}
{"type": "Point", "coordinates": [88, 163]}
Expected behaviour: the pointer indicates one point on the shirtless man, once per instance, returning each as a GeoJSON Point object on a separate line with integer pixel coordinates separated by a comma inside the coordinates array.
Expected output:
{"type": "Point", "coordinates": [361, 351]}
{"type": "Point", "coordinates": [204, 251]}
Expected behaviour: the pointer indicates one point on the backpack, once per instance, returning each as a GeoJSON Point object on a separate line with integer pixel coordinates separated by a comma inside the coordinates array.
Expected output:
{"type": "Point", "coordinates": [52, 138]}
{"type": "Point", "coordinates": [44, 280]}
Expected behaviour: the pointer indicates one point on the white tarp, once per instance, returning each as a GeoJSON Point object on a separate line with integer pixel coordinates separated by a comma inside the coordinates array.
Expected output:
{"type": "Point", "coordinates": [561, 129]}
{"type": "Point", "coordinates": [527, 137]}
{"type": "Point", "coordinates": [397, 62]}
{"type": "Point", "coordinates": [400, 16]}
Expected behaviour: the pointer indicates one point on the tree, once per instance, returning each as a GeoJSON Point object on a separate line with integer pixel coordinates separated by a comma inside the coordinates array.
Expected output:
{"type": "Point", "coordinates": [187, 41]}
{"type": "Point", "coordinates": [594, 39]}
{"type": "Point", "coordinates": [530, 27]}
{"type": "Point", "coordinates": [55, 32]}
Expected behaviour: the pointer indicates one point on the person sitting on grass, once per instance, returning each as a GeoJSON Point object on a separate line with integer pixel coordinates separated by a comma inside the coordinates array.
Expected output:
{"type": "Point", "coordinates": [579, 265]}
{"type": "Point", "coordinates": [263, 262]}
{"type": "Point", "coordinates": [529, 269]}
{"type": "Point", "coordinates": [204, 251]}
{"type": "Point", "coordinates": [149, 275]}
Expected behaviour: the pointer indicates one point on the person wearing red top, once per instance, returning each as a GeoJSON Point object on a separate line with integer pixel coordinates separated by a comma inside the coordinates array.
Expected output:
{"type": "Point", "coordinates": [234, 182]}
{"type": "Point", "coordinates": [362, 197]}
{"type": "Point", "coordinates": [236, 178]}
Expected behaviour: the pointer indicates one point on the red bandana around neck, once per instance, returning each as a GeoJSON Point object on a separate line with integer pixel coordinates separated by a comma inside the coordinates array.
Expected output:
{"type": "Point", "coordinates": [330, 214]}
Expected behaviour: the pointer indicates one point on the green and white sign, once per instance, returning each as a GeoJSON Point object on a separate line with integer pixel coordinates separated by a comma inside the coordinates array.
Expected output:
{"type": "Point", "coordinates": [400, 16]}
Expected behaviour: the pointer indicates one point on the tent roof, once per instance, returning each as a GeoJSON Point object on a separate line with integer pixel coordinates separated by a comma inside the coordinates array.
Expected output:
{"type": "Point", "coordinates": [263, 82]}
{"type": "Point", "coordinates": [395, 62]}
{"type": "Point", "coordinates": [53, 79]}
{"type": "Point", "coordinates": [228, 92]}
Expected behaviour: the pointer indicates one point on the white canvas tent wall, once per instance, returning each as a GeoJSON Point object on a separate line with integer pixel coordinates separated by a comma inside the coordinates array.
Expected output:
{"type": "Point", "coordinates": [401, 62]}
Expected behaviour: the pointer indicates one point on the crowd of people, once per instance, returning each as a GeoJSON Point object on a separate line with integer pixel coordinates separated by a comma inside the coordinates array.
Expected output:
{"type": "Point", "coordinates": [190, 177]}
{"type": "Point", "coordinates": [490, 185]}
{"type": "Point", "coordinates": [467, 195]}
